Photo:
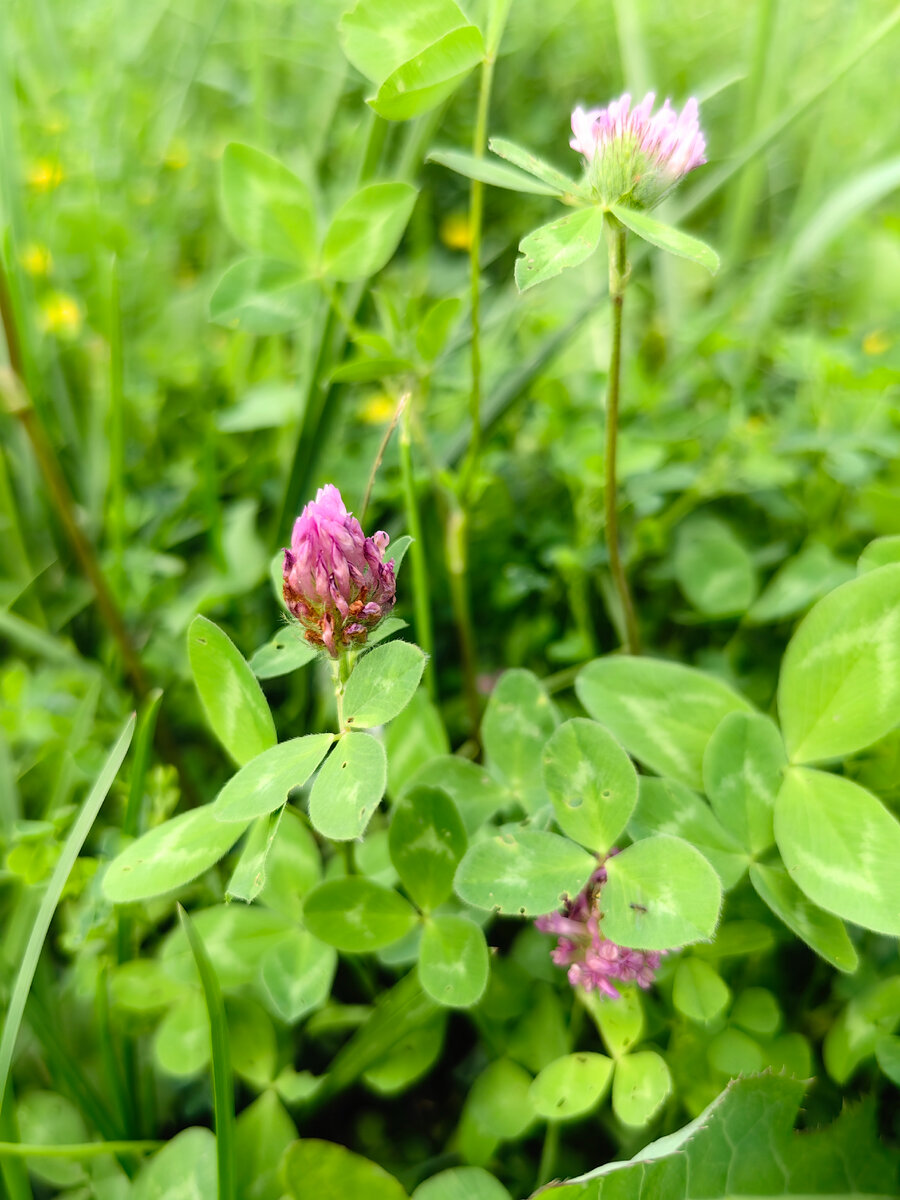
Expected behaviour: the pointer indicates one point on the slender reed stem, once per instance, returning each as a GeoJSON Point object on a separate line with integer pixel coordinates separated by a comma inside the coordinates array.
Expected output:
{"type": "Point", "coordinates": [618, 279]}
{"type": "Point", "coordinates": [418, 561]}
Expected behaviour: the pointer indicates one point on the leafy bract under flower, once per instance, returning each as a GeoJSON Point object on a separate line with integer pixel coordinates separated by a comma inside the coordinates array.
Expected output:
{"type": "Point", "coordinates": [593, 960]}
{"type": "Point", "coordinates": [336, 582]}
{"type": "Point", "coordinates": [633, 157]}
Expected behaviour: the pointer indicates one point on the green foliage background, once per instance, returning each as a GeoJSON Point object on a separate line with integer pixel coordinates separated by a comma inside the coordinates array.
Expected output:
{"type": "Point", "coordinates": [759, 458]}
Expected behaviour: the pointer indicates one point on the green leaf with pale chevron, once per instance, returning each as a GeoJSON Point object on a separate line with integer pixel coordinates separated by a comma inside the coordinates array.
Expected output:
{"type": "Point", "coordinates": [663, 713]}
{"type": "Point", "coordinates": [839, 688]}
{"type": "Point", "coordinates": [841, 846]}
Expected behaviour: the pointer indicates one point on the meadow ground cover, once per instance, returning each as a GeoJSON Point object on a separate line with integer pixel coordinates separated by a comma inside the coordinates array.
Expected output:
{"type": "Point", "coordinates": [450, 601]}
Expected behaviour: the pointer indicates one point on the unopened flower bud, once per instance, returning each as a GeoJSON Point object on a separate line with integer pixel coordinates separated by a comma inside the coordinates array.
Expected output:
{"type": "Point", "coordinates": [336, 582]}
{"type": "Point", "coordinates": [632, 157]}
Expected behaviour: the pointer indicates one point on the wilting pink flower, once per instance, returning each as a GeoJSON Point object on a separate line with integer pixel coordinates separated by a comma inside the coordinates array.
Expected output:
{"type": "Point", "coordinates": [593, 960]}
{"type": "Point", "coordinates": [634, 157]}
{"type": "Point", "coordinates": [336, 582]}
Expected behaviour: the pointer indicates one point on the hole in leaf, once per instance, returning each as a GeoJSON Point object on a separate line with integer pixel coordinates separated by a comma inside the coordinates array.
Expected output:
{"type": "Point", "coordinates": [201, 641]}
{"type": "Point", "coordinates": [574, 802]}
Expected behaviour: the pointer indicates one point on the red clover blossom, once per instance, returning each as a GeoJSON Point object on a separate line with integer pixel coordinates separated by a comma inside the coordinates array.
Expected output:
{"type": "Point", "coordinates": [633, 157]}
{"type": "Point", "coordinates": [336, 582]}
{"type": "Point", "coordinates": [593, 960]}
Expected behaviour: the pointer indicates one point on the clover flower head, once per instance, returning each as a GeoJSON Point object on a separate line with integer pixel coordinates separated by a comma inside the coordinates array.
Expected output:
{"type": "Point", "coordinates": [595, 963]}
{"type": "Point", "coordinates": [336, 581]}
{"type": "Point", "coordinates": [635, 156]}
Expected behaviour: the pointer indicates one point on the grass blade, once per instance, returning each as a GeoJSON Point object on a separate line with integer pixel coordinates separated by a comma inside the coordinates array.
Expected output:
{"type": "Point", "coordinates": [70, 851]}
{"type": "Point", "coordinates": [77, 1151]}
{"type": "Point", "coordinates": [223, 1083]}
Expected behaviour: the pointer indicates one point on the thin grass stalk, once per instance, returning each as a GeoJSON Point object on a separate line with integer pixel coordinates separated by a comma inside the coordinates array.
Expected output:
{"type": "Point", "coordinates": [222, 1080]}
{"type": "Point", "coordinates": [19, 405]}
{"type": "Point", "coordinates": [770, 134]}
{"type": "Point", "coordinates": [13, 1172]}
{"type": "Point", "coordinates": [70, 851]}
{"type": "Point", "coordinates": [76, 1151]}
{"type": "Point", "coordinates": [62, 1067]}
{"type": "Point", "coordinates": [742, 199]}
{"type": "Point", "coordinates": [118, 1090]}
{"type": "Point", "coordinates": [115, 508]}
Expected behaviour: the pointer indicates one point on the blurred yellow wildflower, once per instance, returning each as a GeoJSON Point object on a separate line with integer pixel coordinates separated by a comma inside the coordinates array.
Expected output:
{"type": "Point", "coordinates": [876, 342]}
{"type": "Point", "coordinates": [36, 259]}
{"type": "Point", "coordinates": [56, 122]}
{"type": "Point", "coordinates": [177, 155]}
{"type": "Point", "coordinates": [454, 231]}
{"type": "Point", "coordinates": [61, 314]}
{"type": "Point", "coordinates": [377, 409]}
{"type": "Point", "coordinates": [45, 175]}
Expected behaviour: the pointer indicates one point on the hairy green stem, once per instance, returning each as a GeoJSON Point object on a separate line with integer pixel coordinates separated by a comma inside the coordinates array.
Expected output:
{"type": "Point", "coordinates": [340, 673]}
{"type": "Point", "coordinates": [618, 279]}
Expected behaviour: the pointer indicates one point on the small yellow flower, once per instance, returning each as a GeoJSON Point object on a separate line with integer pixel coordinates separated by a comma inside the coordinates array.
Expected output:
{"type": "Point", "coordinates": [36, 259]}
{"type": "Point", "coordinates": [56, 123]}
{"type": "Point", "coordinates": [876, 342]}
{"type": "Point", "coordinates": [45, 175]}
{"type": "Point", "coordinates": [177, 155]}
{"type": "Point", "coordinates": [61, 314]}
{"type": "Point", "coordinates": [454, 231]}
{"type": "Point", "coordinates": [377, 409]}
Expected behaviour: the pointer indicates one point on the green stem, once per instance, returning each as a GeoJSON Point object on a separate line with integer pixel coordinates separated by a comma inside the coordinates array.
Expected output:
{"type": "Point", "coordinates": [116, 504]}
{"type": "Point", "coordinates": [13, 1174]}
{"type": "Point", "coordinates": [476, 214]}
{"type": "Point", "coordinates": [374, 146]}
{"type": "Point", "coordinates": [618, 279]}
{"type": "Point", "coordinates": [549, 1154]}
{"type": "Point", "coordinates": [340, 673]}
{"type": "Point", "coordinates": [77, 1151]}
{"type": "Point", "coordinates": [417, 558]}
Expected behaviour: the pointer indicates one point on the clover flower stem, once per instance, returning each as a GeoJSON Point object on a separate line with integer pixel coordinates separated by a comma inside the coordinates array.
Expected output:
{"type": "Point", "coordinates": [340, 673]}
{"type": "Point", "coordinates": [549, 1154]}
{"type": "Point", "coordinates": [421, 590]}
{"type": "Point", "coordinates": [618, 279]}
